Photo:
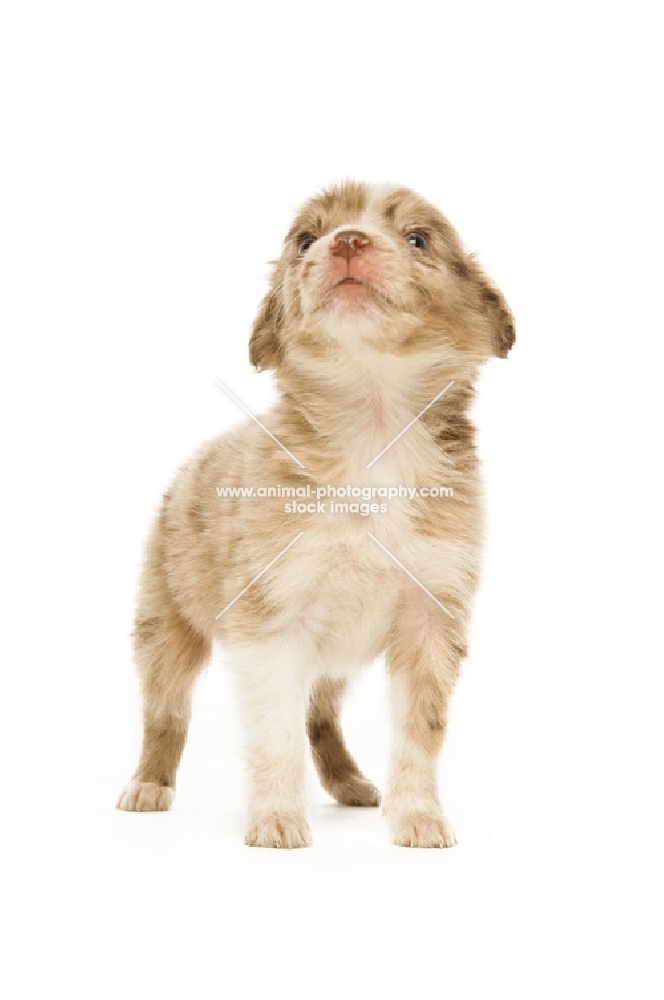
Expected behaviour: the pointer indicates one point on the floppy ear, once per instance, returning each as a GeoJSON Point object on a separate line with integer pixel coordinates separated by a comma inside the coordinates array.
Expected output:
{"type": "Point", "coordinates": [500, 316]}
{"type": "Point", "coordinates": [264, 343]}
{"type": "Point", "coordinates": [491, 303]}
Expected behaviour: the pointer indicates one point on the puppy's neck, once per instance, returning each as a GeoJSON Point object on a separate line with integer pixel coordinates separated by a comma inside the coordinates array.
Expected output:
{"type": "Point", "coordinates": [346, 411]}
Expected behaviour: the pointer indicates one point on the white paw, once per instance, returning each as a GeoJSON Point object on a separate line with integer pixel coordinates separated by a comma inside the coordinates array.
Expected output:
{"type": "Point", "coordinates": [421, 829]}
{"type": "Point", "coordinates": [145, 796]}
{"type": "Point", "coordinates": [278, 830]}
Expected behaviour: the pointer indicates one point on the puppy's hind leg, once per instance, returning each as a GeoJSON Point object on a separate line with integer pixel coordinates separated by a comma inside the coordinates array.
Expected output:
{"type": "Point", "coordinates": [169, 655]}
{"type": "Point", "coordinates": [338, 772]}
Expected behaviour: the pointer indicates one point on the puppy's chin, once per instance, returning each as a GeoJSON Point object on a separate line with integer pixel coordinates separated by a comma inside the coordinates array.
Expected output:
{"type": "Point", "coordinates": [358, 322]}
{"type": "Point", "coordinates": [352, 299]}
{"type": "Point", "coordinates": [353, 315]}
{"type": "Point", "coordinates": [351, 312]}
{"type": "Point", "coordinates": [350, 295]}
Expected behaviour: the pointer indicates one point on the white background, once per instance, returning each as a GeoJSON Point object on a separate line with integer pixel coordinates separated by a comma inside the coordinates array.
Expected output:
{"type": "Point", "coordinates": [152, 157]}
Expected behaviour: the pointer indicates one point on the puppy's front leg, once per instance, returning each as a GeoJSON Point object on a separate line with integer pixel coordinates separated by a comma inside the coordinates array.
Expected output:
{"type": "Point", "coordinates": [274, 695]}
{"type": "Point", "coordinates": [423, 660]}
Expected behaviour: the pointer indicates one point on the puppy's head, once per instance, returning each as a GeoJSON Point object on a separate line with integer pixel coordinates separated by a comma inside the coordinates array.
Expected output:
{"type": "Point", "coordinates": [378, 267]}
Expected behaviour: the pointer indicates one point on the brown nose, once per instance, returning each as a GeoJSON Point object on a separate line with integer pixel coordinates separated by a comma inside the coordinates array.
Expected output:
{"type": "Point", "coordinates": [349, 243]}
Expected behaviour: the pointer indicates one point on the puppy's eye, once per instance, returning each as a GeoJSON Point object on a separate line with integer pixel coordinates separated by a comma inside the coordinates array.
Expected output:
{"type": "Point", "coordinates": [306, 241]}
{"type": "Point", "coordinates": [417, 240]}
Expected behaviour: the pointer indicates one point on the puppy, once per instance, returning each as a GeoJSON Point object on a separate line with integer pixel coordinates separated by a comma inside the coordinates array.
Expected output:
{"type": "Point", "coordinates": [375, 325]}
